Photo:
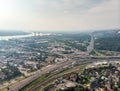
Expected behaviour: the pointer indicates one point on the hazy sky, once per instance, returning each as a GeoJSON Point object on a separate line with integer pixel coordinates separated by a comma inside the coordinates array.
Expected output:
{"type": "Point", "coordinates": [59, 14]}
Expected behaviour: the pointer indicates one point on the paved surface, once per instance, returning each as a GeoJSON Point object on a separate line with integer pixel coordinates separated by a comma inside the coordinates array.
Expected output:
{"type": "Point", "coordinates": [37, 74]}
{"type": "Point", "coordinates": [91, 45]}
{"type": "Point", "coordinates": [61, 65]}
{"type": "Point", "coordinates": [44, 70]}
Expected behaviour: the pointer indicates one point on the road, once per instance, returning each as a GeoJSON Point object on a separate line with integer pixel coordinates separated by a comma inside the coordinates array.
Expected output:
{"type": "Point", "coordinates": [26, 81]}
{"type": "Point", "coordinates": [37, 74]}
{"type": "Point", "coordinates": [44, 70]}
{"type": "Point", "coordinates": [44, 82]}
{"type": "Point", "coordinates": [91, 45]}
{"type": "Point", "coordinates": [57, 66]}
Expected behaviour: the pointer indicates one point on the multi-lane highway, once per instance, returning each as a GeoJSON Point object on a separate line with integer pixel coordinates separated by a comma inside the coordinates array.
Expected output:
{"type": "Point", "coordinates": [61, 65]}
{"type": "Point", "coordinates": [37, 74]}
{"type": "Point", "coordinates": [46, 69]}
{"type": "Point", "coordinates": [91, 45]}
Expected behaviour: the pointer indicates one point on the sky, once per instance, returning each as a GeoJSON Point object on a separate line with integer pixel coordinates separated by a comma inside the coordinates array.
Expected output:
{"type": "Point", "coordinates": [59, 15]}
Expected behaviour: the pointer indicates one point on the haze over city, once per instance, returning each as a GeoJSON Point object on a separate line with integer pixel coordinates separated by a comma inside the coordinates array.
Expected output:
{"type": "Point", "coordinates": [59, 15]}
{"type": "Point", "coordinates": [59, 45]}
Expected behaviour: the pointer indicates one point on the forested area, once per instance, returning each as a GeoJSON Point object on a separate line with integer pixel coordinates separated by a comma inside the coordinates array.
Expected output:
{"type": "Point", "coordinates": [77, 41]}
{"type": "Point", "coordinates": [108, 43]}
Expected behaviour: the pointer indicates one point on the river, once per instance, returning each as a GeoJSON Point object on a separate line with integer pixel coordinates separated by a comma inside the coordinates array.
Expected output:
{"type": "Point", "coordinates": [20, 36]}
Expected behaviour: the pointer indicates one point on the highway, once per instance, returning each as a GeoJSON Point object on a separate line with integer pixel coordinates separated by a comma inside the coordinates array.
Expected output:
{"type": "Point", "coordinates": [91, 45]}
{"type": "Point", "coordinates": [49, 68]}
{"type": "Point", "coordinates": [37, 74]}
{"type": "Point", "coordinates": [61, 65]}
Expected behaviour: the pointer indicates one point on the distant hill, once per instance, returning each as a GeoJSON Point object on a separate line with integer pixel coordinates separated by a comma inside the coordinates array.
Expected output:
{"type": "Point", "coordinates": [12, 33]}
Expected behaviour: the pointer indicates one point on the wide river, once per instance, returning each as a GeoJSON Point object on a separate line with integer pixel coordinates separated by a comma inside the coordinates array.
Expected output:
{"type": "Point", "coordinates": [20, 36]}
